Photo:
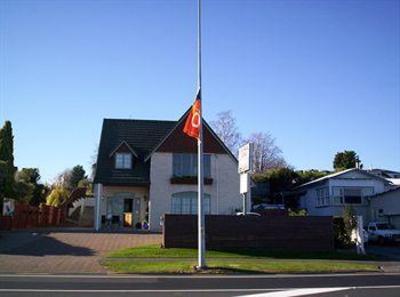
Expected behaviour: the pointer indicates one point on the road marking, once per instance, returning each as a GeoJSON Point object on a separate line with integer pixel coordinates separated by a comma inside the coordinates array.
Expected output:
{"type": "Point", "coordinates": [274, 290]}
{"type": "Point", "coordinates": [133, 291]}
{"type": "Point", "coordinates": [297, 292]}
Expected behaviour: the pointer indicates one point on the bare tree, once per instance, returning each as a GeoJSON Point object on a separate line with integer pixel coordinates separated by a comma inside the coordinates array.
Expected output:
{"type": "Point", "coordinates": [226, 128]}
{"type": "Point", "coordinates": [266, 153]}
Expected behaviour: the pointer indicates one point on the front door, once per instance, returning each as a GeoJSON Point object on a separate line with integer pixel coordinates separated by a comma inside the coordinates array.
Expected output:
{"type": "Point", "coordinates": [128, 206]}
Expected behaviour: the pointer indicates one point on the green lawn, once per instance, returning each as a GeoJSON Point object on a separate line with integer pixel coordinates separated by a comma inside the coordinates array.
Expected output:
{"type": "Point", "coordinates": [153, 259]}
{"type": "Point", "coordinates": [154, 251]}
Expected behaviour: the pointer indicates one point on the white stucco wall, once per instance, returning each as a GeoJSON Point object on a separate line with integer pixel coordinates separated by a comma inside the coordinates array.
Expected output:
{"type": "Point", "coordinates": [224, 191]}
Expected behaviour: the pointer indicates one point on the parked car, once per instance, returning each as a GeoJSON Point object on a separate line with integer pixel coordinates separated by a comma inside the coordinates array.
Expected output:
{"type": "Point", "coordinates": [249, 213]}
{"type": "Point", "coordinates": [383, 232]}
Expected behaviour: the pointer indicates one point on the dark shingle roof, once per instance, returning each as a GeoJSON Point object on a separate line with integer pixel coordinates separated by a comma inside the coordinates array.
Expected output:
{"type": "Point", "coordinates": [142, 136]}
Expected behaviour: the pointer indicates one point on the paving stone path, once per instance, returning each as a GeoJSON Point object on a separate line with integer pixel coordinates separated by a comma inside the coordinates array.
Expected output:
{"type": "Point", "coordinates": [63, 252]}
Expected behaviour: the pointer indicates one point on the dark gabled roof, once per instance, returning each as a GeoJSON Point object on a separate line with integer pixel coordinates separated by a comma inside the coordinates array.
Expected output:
{"type": "Point", "coordinates": [141, 135]}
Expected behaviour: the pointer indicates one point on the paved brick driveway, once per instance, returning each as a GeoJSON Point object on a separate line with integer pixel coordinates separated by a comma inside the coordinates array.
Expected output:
{"type": "Point", "coordinates": [63, 252]}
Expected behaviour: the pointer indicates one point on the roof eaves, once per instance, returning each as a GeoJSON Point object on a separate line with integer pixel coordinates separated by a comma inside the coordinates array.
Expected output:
{"type": "Point", "coordinates": [336, 174]}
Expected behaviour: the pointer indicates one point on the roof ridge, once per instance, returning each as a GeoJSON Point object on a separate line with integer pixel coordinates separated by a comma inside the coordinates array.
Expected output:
{"type": "Point", "coordinates": [338, 173]}
{"type": "Point", "coordinates": [138, 120]}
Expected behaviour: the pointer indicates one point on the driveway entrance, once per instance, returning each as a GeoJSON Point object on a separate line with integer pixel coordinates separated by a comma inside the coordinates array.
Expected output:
{"type": "Point", "coordinates": [63, 252]}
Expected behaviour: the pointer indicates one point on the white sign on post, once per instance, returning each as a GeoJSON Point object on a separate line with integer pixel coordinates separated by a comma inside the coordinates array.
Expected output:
{"type": "Point", "coordinates": [246, 158]}
{"type": "Point", "coordinates": [244, 183]}
{"type": "Point", "coordinates": [245, 166]}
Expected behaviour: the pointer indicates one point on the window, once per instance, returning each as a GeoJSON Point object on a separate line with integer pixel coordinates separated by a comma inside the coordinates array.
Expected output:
{"type": "Point", "coordinates": [186, 165]}
{"type": "Point", "coordinates": [323, 197]}
{"type": "Point", "coordinates": [186, 203]}
{"type": "Point", "coordinates": [351, 195]}
{"type": "Point", "coordinates": [123, 160]}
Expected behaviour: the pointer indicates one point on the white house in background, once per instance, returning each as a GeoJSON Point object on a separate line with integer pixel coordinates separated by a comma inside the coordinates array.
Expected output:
{"type": "Point", "coordinates": [327, 196]}
{"type": "Point", "coordinates": [385, 207]}
{"type": "Point", "coordinates": [147, 168]}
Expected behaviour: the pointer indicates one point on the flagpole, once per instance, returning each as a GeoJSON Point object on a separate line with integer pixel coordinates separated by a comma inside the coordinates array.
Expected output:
{"type": "Point", "coordinates": [200, 174]}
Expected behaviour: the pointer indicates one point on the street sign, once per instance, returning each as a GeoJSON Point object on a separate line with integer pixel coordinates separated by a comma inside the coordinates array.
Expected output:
{"type": "Point", "coordinates": [246, 158]}
{"type": "Point", "coordinates": [244, 183]}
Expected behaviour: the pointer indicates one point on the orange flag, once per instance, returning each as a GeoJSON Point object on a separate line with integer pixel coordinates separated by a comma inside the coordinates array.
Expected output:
{"type": "Point", "coordinates": [193, 121]}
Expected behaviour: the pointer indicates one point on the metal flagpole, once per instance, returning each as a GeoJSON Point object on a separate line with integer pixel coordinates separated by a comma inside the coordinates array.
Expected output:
{"type": "Point", "coordinates": [200, 212]}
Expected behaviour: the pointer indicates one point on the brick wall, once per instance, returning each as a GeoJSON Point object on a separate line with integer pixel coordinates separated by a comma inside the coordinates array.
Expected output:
{"type": "Point", "coordinates": [275, 233]}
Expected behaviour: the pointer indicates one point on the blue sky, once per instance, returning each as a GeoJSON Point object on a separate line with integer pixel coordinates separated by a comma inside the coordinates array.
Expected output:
{"type": "Point", "coordinates": [320, 76]}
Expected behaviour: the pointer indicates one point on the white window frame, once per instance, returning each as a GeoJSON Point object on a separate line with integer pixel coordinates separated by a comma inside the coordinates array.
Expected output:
{"type": "Point", "coordinates": [340, 199]}
{"type": "Point", "coordinates": [323, 198]}
{"type": "Point", "coordinates": [185, 165]}
{"type": "Point", "coordinates": [186, 203]}
{"type": "Point", "coordinates": [123, 161]}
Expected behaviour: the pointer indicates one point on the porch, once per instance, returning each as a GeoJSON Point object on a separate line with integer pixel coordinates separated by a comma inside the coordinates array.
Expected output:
{"type": "Point", "coordinates": [122, 209]}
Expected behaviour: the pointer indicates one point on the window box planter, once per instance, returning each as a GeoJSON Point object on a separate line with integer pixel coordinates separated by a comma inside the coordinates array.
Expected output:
{"type": "Point", "coordinates": [189, 180]}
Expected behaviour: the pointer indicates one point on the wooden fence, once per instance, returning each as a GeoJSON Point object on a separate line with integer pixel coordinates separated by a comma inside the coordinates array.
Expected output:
{"type": "Point", "coordinates": [275, 233]}
{"type": "Point", "coordinates": [26, 216]}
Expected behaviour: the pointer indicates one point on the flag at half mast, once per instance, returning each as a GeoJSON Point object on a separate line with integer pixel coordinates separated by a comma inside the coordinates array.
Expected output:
{"type": "Point", "coordinates": [193, 121]}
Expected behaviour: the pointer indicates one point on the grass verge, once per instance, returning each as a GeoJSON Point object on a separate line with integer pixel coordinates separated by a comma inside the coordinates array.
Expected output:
{"type": "Point", "coordinates": [154, 251]}
{"type": "Point", "coordinates": [154, 260]}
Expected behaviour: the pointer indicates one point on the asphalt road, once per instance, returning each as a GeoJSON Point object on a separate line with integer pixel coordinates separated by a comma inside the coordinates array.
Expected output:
{"type": "Point", "coordinates": [349, 285]}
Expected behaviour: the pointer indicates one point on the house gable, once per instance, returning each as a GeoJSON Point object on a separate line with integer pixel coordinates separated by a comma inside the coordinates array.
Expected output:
{"type": "Point", "coordinates": [176, 141]}
{"type": "Point", "coordinates": [179, 142]}
{"type": "Point", "coordinates": [124, 147]}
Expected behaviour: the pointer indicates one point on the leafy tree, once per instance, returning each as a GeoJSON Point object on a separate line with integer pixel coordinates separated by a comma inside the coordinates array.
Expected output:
{"type": "Point", "coordinates": [77, 174]}
{"type": "Point", "coordinates": [305, 176]}
{"type": "Point", "coordinates": [346, 160]}
{"type": "Point", "coordinates": [3, 170]}
{"type": "Point", "coordinates": [267, 154]}
{"type": "Point", "coordinates": [31, 176]}
{"type": "Point", "coordinates": [349, 224]}
{"type": "Point", "coordinates": [279, 179]}
{"type": "Point", "coordinates": [23, 190]}
{"type": "Point", "coordinates": [70, 178]}
{"type": "Point", "coordinates": [7, 156]}
{"type": "Point", "coordinates": [282, 183]}
{"type": "Point", "coordinates": [57, 197]}
{"type": "Point", "coordinates": [227, 130]}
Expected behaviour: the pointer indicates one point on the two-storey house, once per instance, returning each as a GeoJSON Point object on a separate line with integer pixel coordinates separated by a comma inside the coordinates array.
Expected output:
{"type": "Point", "coordinates": [146, 168]}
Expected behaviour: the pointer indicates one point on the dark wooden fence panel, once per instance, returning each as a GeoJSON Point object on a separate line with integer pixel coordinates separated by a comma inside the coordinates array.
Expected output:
{"type": "Point", "coordinates": [275, 233]}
